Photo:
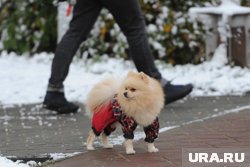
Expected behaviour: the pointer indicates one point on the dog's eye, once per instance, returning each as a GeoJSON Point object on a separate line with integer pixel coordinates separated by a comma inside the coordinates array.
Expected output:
{"type": "Point", "coordinates": [132, 89]}
{"type": "Point", "coordinates": [126, 88]}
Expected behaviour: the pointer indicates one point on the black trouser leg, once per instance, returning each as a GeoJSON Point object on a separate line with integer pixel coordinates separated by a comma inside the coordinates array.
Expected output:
{"type": "Point", "coordinates": [129, 16]}
{"type": "Point", "coordinates": [85, 14]}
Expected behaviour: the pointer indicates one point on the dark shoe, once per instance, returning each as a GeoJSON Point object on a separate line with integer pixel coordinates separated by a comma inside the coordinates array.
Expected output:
{"type": "Point", "coordinates": [56, 101]}
{"type": "Point", "coordinates": [176, 92]}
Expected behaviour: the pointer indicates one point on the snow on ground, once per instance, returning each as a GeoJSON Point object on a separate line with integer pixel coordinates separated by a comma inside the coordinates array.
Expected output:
{"type": "Point", "coordinates": [24, 80]}
{"type": "Point", "coordinates": [60, 156]}
{"type": "Point", "coordinates": [4, 162]}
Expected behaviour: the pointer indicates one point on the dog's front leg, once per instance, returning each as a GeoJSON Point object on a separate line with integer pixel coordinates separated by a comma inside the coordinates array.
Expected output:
{"type": "Point", "coordinates": [152, 148]}
{"type": "Point", "coordinates": [129, 146]}
{"type": "Point", "coordinates": [90, 140]}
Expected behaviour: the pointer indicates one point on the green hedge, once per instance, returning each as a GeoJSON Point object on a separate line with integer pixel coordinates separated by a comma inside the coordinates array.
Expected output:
{"type": "Point", "coordinates": [30, 26]}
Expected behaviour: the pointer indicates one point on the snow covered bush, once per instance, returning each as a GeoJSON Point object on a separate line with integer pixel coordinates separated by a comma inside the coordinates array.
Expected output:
{"type": "Point", "coordinates": [173, 37]}
{"type": "Point", "coordinates": [28, 26]}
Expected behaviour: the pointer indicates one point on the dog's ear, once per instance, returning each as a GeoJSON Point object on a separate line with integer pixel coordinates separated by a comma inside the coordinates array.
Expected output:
{"type": "Point", "coordinates": [144, 77]}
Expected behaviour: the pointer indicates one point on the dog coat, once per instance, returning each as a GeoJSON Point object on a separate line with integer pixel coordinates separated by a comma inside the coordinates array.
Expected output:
{"type": "Point", "coordinates": [108, 114]}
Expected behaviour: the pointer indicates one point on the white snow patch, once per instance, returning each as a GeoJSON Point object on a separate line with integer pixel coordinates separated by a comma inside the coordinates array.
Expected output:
{"type": "Point", "coordinates": [4, 162]}
{"type": "Point", "coordinates": [24, 79]}
{"type": "Point", "coordinates": [59, 156]}
{"type": "Point", "coordinates": [227, 7]}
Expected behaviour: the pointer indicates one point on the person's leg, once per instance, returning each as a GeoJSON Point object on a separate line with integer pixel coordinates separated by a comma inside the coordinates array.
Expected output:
{"type": "Point", "coordinates": [85, 14]}
{"type": "Point", "coordinates": [129, 17]}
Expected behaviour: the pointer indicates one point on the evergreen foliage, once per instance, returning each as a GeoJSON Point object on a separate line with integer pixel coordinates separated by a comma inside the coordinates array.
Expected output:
{"type": "Point", "coordinates": [30, 26]}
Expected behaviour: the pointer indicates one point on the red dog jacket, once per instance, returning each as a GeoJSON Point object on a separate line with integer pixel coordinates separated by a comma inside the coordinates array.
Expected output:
{"type": "Point", "coordinates": [108, 114]}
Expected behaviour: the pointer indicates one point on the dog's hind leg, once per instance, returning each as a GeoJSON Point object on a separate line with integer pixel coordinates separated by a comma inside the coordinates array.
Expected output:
{"type": "Point", "coordinates": [152, 148]}
{"type": "Point", "coordinates": [105, 141]}
{"type": "Point", "coordinates": [90, 140]}
{"type": "Point", "coordinates": [107, 131]}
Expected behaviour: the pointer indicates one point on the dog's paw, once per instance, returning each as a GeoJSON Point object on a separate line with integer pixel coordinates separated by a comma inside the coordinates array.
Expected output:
{"type": "Point", "coordinates": [153, 150]}
{"type": "Point", "coordinates": [130, 151]}
{"type": "Point", "coordinates": [90, 148]}
{"type": "Point", "coordinates": [108, 146]}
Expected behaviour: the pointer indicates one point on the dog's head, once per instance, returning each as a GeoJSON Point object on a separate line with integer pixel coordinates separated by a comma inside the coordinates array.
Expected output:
{"type": "Point", "coordinates": [135, 86]}
{"type": "Point", "coordinates": [141, 97]}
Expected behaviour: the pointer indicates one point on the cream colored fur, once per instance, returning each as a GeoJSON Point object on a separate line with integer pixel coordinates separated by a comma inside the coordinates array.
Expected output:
{"type": "Point", "coordinates": [129, 146]}
{"type": "Point", "coordinates": [152, 148]}
{"type": "Point", "coordinates": [146, 102]}
{"type": "Point", "coordinates": [101, 93]}
{"type": "Point", "coordinates": [90, 140]}
{"type": "Point", "coordinates": [105, 141]}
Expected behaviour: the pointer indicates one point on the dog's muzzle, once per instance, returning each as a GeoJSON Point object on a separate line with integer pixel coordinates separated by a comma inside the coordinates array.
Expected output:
{"type": "Point", "coordinates": [125, 94]}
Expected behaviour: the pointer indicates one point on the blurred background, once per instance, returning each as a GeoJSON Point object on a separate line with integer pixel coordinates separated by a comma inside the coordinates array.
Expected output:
{"type": "Point", "coordinates": [34, 26]}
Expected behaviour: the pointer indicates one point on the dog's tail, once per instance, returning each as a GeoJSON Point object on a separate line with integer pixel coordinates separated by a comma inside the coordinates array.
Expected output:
{"type": "Point", "coordinates": [102, 93]}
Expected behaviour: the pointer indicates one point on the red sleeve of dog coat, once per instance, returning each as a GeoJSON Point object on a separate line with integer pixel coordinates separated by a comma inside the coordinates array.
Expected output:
{"type": "Point", "coordinates": [102, 118]}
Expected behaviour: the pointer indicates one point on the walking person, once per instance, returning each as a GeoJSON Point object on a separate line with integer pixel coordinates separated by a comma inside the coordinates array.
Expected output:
{"type": "Point", "coordinates": [130, 19]}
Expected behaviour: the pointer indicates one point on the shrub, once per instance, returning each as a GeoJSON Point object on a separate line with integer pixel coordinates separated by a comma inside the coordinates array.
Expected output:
{"type": "Point", "coordinates": [172, 36]}
{"type": "Point", "coordinates": [28, 26]}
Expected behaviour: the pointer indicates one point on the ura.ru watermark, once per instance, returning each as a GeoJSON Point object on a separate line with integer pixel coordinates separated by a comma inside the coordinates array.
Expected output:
{"type": "Point", "coordinates": [219, 157]}
{"type": "Point", "coordinates": [215, 157]}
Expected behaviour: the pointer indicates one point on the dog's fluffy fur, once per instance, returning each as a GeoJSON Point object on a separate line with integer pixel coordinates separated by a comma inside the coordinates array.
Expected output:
{"type": "Point", "coordinates": [139, 96]}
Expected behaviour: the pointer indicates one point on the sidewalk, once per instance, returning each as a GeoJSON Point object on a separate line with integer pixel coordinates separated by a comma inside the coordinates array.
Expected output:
{"type": "Point", "coordinates": [228, 131]}
{"type": "Point", "coordinates": [28, 132]}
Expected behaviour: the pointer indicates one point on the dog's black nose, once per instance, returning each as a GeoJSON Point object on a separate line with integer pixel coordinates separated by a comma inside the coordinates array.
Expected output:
{"type": "Point", "coordinates": [125, 94]}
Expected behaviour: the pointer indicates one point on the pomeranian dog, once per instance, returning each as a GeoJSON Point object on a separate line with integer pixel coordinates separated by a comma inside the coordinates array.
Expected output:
{"type": "Point", "coordinates": [137, 100]}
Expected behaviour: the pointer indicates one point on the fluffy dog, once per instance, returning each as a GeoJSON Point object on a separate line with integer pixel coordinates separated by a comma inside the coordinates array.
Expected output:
{"type": "Point", "coordinates": [137, 100]}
